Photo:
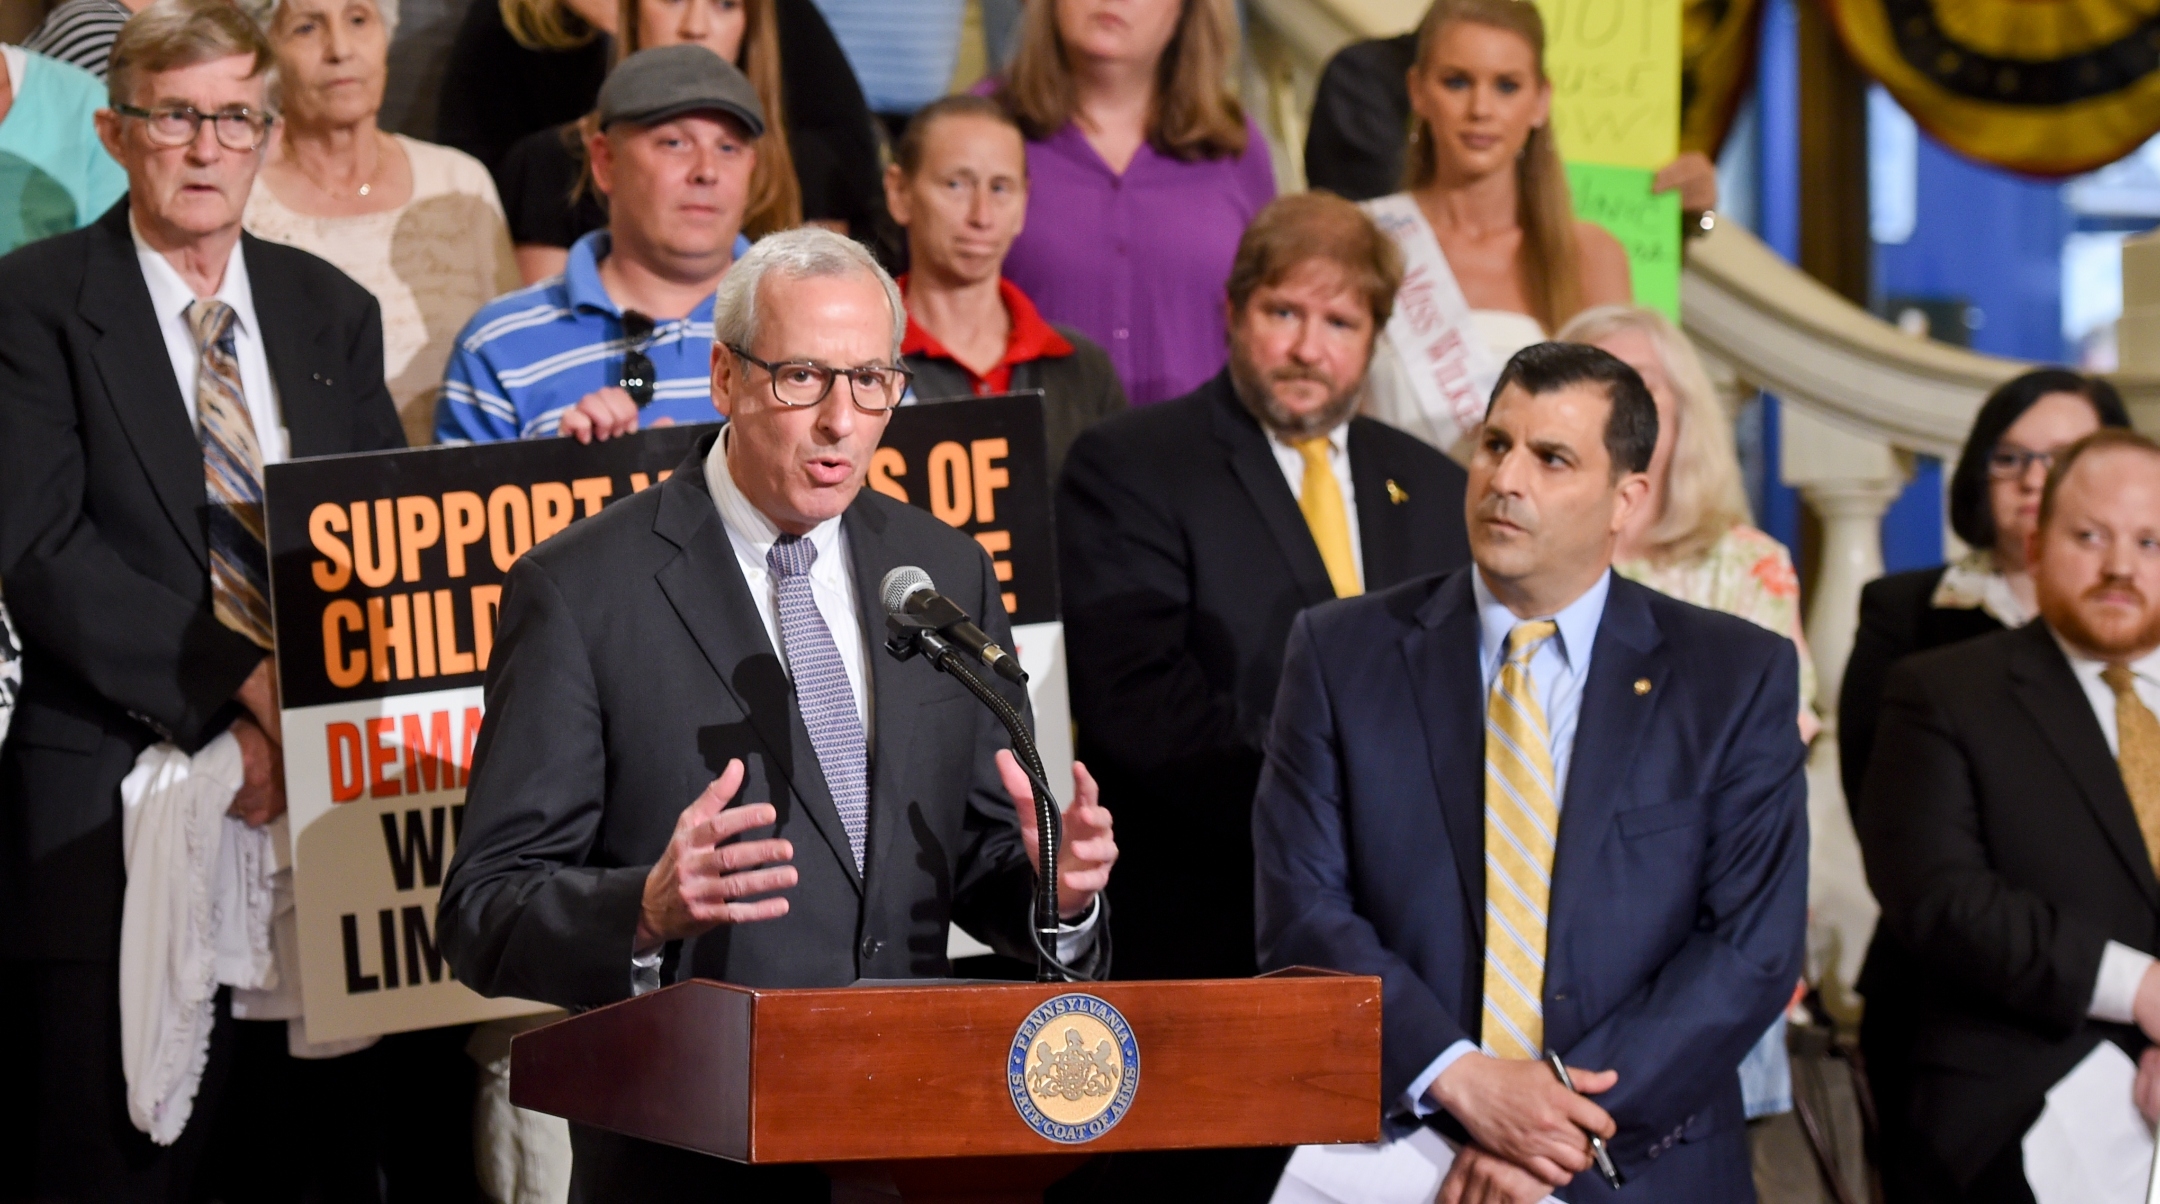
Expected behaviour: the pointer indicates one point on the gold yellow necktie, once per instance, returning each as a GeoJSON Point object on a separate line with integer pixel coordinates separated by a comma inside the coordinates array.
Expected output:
{"type": "Point", "coordinates": [2137, 753]}
{"type": "Point", "coordinates": [1320, 499]}
{"type": "Point", "coordinates": [1522, 824]}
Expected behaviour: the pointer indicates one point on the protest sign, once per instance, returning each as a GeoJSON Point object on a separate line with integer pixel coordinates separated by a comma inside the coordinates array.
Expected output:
{"type": "Point", "coordinates": [1646, 223]}
{"type": "Point", "coordinates": [1615, 72]}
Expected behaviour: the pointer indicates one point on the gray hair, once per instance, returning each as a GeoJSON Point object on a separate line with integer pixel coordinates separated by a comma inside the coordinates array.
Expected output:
{"type": "Point", "coordinates": [804, 253]}
{"type": "Point", "coordinates": [172, 34]}
{"type": "Point", "coordinates": [265, 13]}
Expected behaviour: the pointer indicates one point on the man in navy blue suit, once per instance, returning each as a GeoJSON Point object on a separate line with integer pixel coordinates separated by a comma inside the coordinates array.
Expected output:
{"type": "Point", "coordinates": [1554, 811]}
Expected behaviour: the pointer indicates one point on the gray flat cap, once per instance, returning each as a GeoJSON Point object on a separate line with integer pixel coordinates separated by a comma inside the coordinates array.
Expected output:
{"type": "Point", "coordinates": [656, 85]}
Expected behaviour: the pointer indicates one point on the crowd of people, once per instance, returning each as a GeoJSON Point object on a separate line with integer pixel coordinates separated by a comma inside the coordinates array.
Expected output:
{"type": "Point", "coordinates": [1350, 598]}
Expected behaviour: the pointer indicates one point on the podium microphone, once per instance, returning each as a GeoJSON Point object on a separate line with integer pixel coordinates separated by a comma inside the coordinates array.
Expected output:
{"type": "Point", "coordinates": [907, 590]}
{"type": "Point", "coordinates": [921, 622]}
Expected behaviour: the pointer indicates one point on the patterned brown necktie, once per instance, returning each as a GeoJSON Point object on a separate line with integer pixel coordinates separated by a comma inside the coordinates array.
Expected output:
{"type": "Point", "coordinates": [232, 468]}
{"type": "Point", "coordinates": [2137, 744]}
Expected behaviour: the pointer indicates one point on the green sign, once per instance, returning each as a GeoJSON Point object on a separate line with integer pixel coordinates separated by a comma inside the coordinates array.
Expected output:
{"type": "Point", "coordinates": [1647, 225]}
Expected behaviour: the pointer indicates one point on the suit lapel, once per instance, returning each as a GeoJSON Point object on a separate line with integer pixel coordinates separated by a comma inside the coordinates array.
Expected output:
{"type": "Point", "coordinates": [1254, 466]}
{"type": "Point", "coordinates": [1384, 533]}
{"type": "Point", "coordinates": [1609, 729]}
{"type": "Point", "coordinates": [138, 377]}
{"type": "Point", "coordinates": [705, 585]}
{"type": "Point", "coordinates": [292, 337]}
{"type": "Point", "coordinates": [2045, 686]}
{"type": "Point", "coordinates": [1441, 656]}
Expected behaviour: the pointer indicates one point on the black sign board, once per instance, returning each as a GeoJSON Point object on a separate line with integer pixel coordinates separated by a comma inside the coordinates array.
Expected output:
{"type": "Point", "coordinates": [387, 567]}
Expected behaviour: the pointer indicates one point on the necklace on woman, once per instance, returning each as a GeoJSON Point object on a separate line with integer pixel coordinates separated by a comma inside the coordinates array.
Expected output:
{"type": "Point", "coordinates": [366, 186]}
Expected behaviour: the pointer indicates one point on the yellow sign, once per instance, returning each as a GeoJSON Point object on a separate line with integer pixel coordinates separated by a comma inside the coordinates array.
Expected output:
{"type": "Point", "coordinates": [1615, 70]}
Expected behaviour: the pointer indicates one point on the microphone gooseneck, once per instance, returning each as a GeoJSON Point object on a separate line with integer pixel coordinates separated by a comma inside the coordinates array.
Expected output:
{"type": "Point", "coordinates": [914, 632]}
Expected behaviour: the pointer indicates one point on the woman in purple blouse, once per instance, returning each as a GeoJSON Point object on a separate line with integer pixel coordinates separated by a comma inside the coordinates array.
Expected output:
{"type": "Point", "coordinates": [1143, 172]}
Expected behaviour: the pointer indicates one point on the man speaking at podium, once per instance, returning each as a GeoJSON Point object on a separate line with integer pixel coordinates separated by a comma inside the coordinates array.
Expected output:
{"type": "Point", "coordinates": [712, 641]}
{"type": "Point", "coordinates": [1554, 811]}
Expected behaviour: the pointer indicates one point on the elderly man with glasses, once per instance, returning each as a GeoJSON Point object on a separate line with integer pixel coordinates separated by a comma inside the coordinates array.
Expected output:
{"type": "Point", "coordinates": [619, 341]}
{"type": "Point", "coordinates": [151, 363]}
{"type": "Point", "coordinates": [695, 762]}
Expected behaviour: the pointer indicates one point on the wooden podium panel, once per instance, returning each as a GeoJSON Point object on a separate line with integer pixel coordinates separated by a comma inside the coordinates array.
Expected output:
{"type": "Point", "coordinates": [919, 1072]}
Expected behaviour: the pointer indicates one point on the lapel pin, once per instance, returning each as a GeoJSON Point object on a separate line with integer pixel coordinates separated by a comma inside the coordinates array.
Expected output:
{"type": "Point", "coordinates": [1642, 685]}
{"type": "Point", "coordinates": [1395, 493]}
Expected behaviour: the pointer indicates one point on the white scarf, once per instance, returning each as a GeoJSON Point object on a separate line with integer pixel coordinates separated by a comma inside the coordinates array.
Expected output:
{"type": "Point", "coordinates": [197, 913]}
{"type": "Point", "coordinates": [1432, 372]}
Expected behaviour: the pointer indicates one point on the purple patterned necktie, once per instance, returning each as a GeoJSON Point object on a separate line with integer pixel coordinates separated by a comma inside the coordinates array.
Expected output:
{"type": "Point", "coordinates": [822, 692]}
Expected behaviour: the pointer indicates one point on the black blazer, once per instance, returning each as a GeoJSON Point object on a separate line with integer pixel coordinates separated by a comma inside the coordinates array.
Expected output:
{"type": "Point", "coordinates": [1361, 119]}
{"type": "Point", "coordinates": [1183, 559]}
{"type": "Point", "coordinates": [2005, 854]}
{"type": "Point", "coordinates": [630, 668]}
{"type": "Point", "coordinates": [102, 547]}
{"type": "Point", "coordinates": [1898, 617]}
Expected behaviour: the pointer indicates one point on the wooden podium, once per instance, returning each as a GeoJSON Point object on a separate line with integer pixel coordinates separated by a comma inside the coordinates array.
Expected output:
{"type": "Point", "coordinates": [915, 1092]}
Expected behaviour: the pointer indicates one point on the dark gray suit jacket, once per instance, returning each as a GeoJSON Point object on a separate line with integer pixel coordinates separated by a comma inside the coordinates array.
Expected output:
{"type": "Point", "coordinates": [102, 509]}
{"type": "Point", "coordinates": [630, 668]}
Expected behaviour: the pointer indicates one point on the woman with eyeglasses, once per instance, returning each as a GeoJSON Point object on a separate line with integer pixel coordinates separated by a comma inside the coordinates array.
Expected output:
{"type": "Point", "coordinates": [1994, 506]}
{"type": "Point", "coordinates": [417, 224]}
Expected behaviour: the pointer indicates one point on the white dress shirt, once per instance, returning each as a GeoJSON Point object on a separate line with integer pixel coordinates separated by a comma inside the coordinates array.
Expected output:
{"type": "Point", "coordinates": [1292, 463]}
{"type": "Point", "coordinates": [2122, 968]}
{"type": "Point", "coordinates": [832, 587]}
{"type": "Point", "coordinates": [170, 296]}
{"type": "Point", "coordinates": [1558, 670]}
{"type": "Point", "coordinates": [832, 578]}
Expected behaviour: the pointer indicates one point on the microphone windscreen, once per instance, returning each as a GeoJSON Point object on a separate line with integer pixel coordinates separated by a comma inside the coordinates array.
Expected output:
{"type": "Point", "coordinates": [901, 584]}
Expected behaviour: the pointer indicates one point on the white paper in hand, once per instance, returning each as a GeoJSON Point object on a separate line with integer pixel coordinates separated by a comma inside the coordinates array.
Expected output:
{"type": "Point", "coordinates": [2090, 1146]}
{"type": "Point", "coordinates": [1408, 1171]}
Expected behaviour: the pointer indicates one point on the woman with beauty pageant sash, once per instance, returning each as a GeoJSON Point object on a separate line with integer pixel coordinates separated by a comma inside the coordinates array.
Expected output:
{"type": "Point", "coordinates": [1495, 256]}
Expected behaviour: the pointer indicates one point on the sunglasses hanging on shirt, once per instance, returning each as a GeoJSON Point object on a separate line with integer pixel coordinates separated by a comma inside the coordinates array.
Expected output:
{"type": "Point", "coordinates": [637, 369]}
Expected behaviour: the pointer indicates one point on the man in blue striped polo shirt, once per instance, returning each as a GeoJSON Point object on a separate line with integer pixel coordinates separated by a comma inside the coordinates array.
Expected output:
{"type": "Point", "coordinates": [623, 338]}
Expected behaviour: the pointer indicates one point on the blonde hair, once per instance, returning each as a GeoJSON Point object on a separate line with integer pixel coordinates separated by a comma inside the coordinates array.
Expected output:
{"type": "Point", "coordinates": [775, 200]}
{"type": "Point", "coordinates": [1550, 267]}
{"type": "Point", "coordinates": [1703, 495]}
{"type": "Point", "coordinates": [1194, 114]}
{"type": "Point", "coordinates": [545, 24]}
{"type": "Point", "coordinates": [181, 33]}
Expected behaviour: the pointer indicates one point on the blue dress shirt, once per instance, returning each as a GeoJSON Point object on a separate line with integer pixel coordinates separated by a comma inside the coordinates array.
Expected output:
{"type": "Point", "coordinates": [1558, 670]}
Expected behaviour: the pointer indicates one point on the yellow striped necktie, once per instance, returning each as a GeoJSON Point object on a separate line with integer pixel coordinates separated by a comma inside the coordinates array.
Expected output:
{"type": "Point", "coordinates": [1522, 824]}
{"type": "Point", "coordinates": [2137, 754]}
{"type": "Point", "coordinates": [232, 471]}
{"type": "Point", "coordinates": [1320, 499]}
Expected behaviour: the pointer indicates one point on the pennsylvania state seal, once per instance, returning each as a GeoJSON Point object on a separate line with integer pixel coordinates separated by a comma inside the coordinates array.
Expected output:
{"type": "Point", "coordinates": [1073, 1068]}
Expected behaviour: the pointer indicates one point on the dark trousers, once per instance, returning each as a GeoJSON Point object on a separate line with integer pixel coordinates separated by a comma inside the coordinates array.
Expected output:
{"type": "Point", "coordinates": [608, 1168]}
{"type": "Point", "coordinates": [66, 1135]}
{"type": "Point", "coordinates": [1914, 1177]}
{"type": "Point", "coordinates": [1175, 1177]}
{"type": "Point", "coordinates": [391, 1124]}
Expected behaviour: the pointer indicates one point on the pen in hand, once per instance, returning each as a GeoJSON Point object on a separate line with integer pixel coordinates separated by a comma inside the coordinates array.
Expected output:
{"type": "Point", "coordinates": [1598, 1153]}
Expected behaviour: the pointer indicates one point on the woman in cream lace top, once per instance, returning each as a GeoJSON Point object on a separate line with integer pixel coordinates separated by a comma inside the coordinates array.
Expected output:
{"type": "Point", "coordinates": [418, 225]}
